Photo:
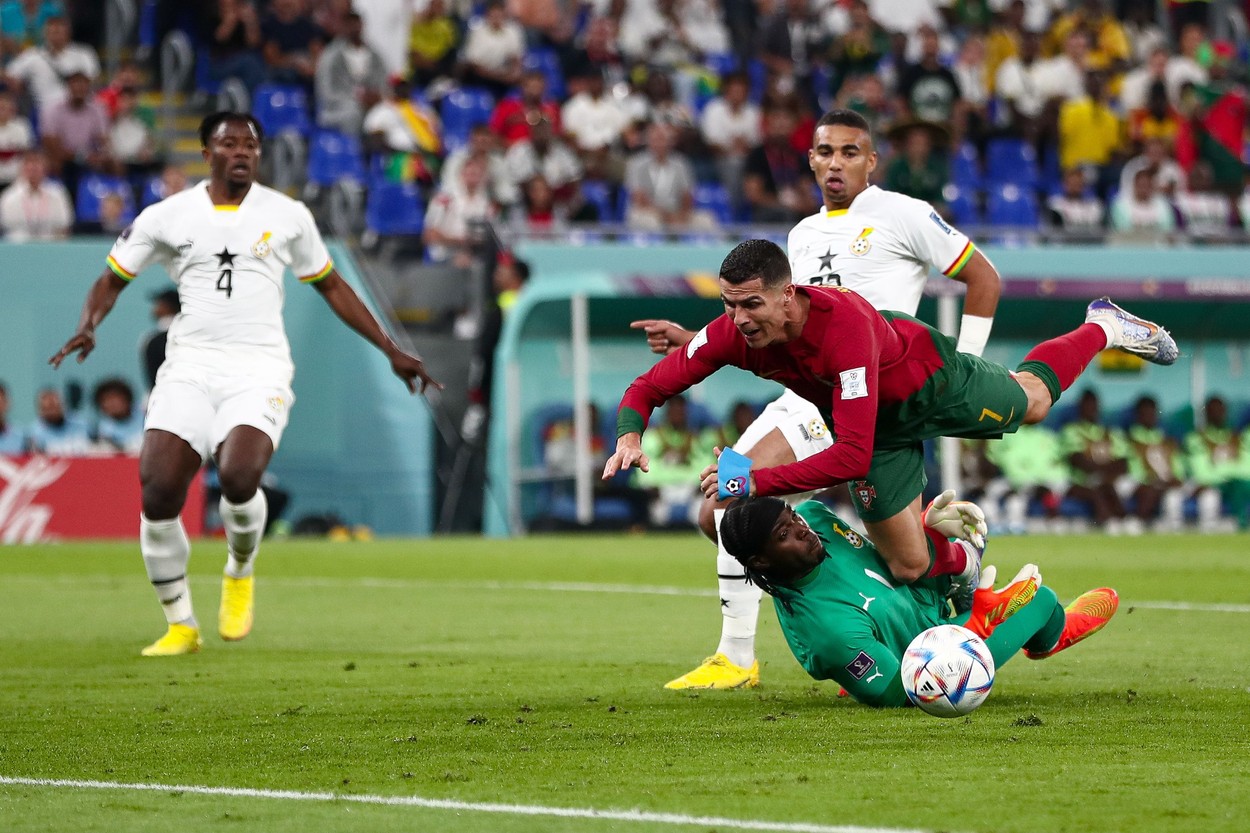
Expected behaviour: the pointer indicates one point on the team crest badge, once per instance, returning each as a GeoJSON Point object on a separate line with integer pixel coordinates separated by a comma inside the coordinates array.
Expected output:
{"type": "Point", "coordinates": [816, 429]}
{"type": "Point", "coordinates": [852, 537]}
{"type": "Point", "coordinates": [261, 247]}
{"type": "Point", "coordinates": [860, 245]}
{"type": "Point", "coordinates": [276, 404]}
{"type": "Point", "coordinates": [865, 492]}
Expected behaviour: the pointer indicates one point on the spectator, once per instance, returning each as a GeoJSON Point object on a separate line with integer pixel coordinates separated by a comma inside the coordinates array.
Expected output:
{"type": "Point", "coordinates": [114, 216]}
{"type": "Point", "coordinates": [655, 104]}
{"type": "Point", "coordinates": [730, 127]}
{"type": "Point", "coordinates": [1091, 134]}
{"type": "Point", "coordinates": [453, 211]}
{"type": "Point", "coordinates": [907, 16]}
{"type": "Point", "coordinates": [928, 89]}
{"type": "Point", "coordinates": [918, 169]}
{"type": "Point", "coordinates": [16, 137]}
{"type": "Point", "coordinates": [673, 444]}
{"type": "Point", "coordinates": [1157, 120]}
{"type": "Point", "coordinates": [234, 49]}
{"type": "Point", "coordinates": [35, 207]}
{"type": "Point", "coordinates": [1062, 77]}
{"type": "Point", "coordinates": [291, 43]}
{"type": "Point", "coordinates": [75, 134]}
{"type": "Point", "coordinates": [596, 50]}
{"type": "Point", "coordinates": [350, 79]}
{"type": "Point", "coordinates": [661, 184]}
{"type": "Point", "coordinates": [1156, 467]}
{"type": "Point", "coordinates": [22, 23]}
{"type": "Point", "coordinates": [1141, 214]}
{"type": "Point", "coordinates": [1184, 67]}
{"type": "Point", "coordinates": [560, 458]}
{"type": "Point", "coordinates": [790, 41]}
{"type": "Point", "coordinates": [544, 154]}
{"type": "Point", "coordinates": [1218, 459]}
{"type": "Point", "coordinates": [12, 438]}
{"type": "Point", "coordinates": [595, 124]}
{"type": "Point", "coordinates": [856, 52]}
{"type": "Point", "coordinates": [1033, 470]}
{"type": "Point", "coordinates": [484, 143]}
{"type": "Point", "coordinates": [727, 434]}
{"type": "Point", "coordinates": [54, 432]}
{"type": "Point", "coordinates": [131, 138]}
{"type": "Point", "coordinates": [1075, 210]}
{"type": "Point", "coordinates": [671, 33]}
{"type": "Point", "coordinates": [1137, 84]}
{"type": "Point", "coordinates": [1020, 87]}
{"type": "Point", "coordinates": [775, 184]}
{"type": "Point", "coordinates": [1003, 40]}
{"type": "Point", "coordinates": [119, 424]}
{"type": "Point", "coordinates": [126, 79]}
{"type": "Point", "coordinates": [1204, 211]}
{"type": "Point", "coordinates": [515, 115]}
{"type": "Point", "coordinates": [1165, 172]}
{"type": "Point", "coordinates": [492, 52]}
{"type": "Point", "coordinates": [538, 211]}
{"type": "Point", "coordinates": [165, 307]}
{"type": "Point", "coordinates": [1037, 13]}
{"type": "Point", "coordinates": [39, 71]}
{"type": "Point", "coordinates": [173, 179]}
{"type": "Point", "coordinates": [970, 71]}
{"type": "Point", "coordinates": [508, 279]}
{"type": "Point", "coordinates": [1097, 458]}
{"type": "Point", "coordinates": [1219, 120]}
{"type": "Point", "coordinates": [407, 133]}
{"type": "Point", "coordinates": [1145, 35]}
{"type": "Point", "coordinates": [868, 97]}
{"type": "Point", "coordinates": [1109, 50]}
{"type": "Point", "coordinates": [432, 42]}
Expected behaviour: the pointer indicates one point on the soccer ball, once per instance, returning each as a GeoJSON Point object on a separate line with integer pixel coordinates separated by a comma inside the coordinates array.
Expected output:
{"type": "Point", "coordinates": [947, 671]}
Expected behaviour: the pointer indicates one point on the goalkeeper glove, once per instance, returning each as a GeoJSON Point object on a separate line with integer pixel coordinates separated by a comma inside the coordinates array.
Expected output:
{"type": "Point", "coordinates": [990, 607]}
{"type": "Point", "coordinates": [960, 519]}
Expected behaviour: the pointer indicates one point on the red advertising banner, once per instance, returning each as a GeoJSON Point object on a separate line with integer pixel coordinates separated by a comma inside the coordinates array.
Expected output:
{"type": "Point", "coordinates": [56, 498]}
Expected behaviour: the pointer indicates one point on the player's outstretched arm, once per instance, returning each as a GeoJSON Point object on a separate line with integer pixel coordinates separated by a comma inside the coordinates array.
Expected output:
{"type": "Point", "coordinates": [100, 299]}
{"type": "Point", "coordinates": [663, 337]}
{"type": "Point", "coordinates": [348, 306]}
{"type": "Point", "coordinates": [628, 453]}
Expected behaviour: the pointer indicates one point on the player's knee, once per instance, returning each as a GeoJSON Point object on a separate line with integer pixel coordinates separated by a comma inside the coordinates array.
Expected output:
{"type": "Point", "coordinates": [161, 501]}
{"type": "Point", "coordinates": [239, 483]}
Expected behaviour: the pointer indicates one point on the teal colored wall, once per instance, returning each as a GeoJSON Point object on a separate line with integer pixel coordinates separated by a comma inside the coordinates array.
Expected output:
{"type": "Point", "coordinates": [357, 444]}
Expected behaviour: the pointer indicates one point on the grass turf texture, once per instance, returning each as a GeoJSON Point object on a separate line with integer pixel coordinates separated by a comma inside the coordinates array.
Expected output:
{"type": "Point", "coordinates": [452, 669]}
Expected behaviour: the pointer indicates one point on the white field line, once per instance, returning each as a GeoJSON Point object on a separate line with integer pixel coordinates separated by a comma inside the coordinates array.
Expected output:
{"type": "Point", "coordinates": [548, 587]}
{"type": "Point", "coordinates": [639, 816]}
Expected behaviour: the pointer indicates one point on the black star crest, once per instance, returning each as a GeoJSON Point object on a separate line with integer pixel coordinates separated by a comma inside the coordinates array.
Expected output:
{"type": "Point", "coordinates": [724, 602]}
{"type": "Point", "coordinates": [826, 260]}
{"type": "Point", "coordinates": [224, 258]}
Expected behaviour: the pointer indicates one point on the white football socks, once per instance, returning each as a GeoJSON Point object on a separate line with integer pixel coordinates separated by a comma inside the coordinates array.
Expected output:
{"type": "Point", "coordinates": [166, 551]}
{"type": "Point", "coordinates": [244, 524]}
{"type": "Point", "coordinates": [739, 605]}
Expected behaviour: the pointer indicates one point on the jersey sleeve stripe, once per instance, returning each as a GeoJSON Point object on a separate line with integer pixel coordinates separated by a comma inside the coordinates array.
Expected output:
{"type": "Point", "coordinates": [316, 276]}
{"type": "Point", "coordinates": [119, 270]}
{"type": "Point", "coordinates": [964, 256]}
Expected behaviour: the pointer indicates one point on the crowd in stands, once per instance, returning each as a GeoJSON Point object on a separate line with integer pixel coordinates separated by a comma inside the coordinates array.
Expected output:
{"type": "Point", "coordinates": [115, 427]}
{"type": "Point", "coordinates": [1123, 473]}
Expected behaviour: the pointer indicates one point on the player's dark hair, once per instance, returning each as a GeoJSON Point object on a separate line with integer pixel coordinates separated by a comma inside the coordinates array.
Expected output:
{"type": "Point", "coordinates": [210, 124]}
{"type": "Point", "coordinates": [752, 259]}
{"type": "Point", "coordinates": [843, 118]}
{"type": "Point", "coordinates": [114, 384]}
{"type": "Point", "coordinates": [744, 532]}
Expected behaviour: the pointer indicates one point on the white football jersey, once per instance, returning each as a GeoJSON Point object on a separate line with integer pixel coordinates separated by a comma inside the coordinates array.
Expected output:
{"type": "Point", "coordinates": [883, 247]}
{"type": "Point", "coordinates": [228, 263]}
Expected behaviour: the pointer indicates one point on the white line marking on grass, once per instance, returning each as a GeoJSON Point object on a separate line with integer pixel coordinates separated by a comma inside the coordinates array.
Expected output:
{"type": "Point", "coordinates": [470, 806]}
{"type": "Point", "coordinates": [1203, 607]}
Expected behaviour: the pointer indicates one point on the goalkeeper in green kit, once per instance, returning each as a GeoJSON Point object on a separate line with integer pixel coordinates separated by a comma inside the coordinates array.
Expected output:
{"type": "Point", "coordinates": [846, 619]}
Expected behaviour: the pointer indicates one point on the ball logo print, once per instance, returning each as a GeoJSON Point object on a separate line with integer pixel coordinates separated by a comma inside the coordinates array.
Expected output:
{"type": "Point", "coordinates": [947, 671]}
{"type": "Point", "coordinates": [736, 485]}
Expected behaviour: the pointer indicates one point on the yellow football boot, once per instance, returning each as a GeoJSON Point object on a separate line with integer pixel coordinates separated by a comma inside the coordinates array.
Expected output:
{"type": "Point", "coordinates": [179, 639]}
{"type": "Point", "coordinates": [717, 672]}
{"type": "Point", "coordinates": [234, 619]}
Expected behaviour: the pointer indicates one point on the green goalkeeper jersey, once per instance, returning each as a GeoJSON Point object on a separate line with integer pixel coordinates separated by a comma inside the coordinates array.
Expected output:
{"type": "Point", "coordinates": [848, 620]}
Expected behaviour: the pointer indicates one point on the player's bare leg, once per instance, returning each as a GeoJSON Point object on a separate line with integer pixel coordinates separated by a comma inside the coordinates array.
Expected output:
{"type": "Point", "coordinates": [734, 664]}
{"type": "Point", "coordinates": [241, 462]}
{"type": "Point", "coordinates": [167, 464]}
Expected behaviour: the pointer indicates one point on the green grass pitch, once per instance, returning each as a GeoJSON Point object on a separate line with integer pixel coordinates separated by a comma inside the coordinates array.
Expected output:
{"type": "Point", "coordinates": [529, 673]}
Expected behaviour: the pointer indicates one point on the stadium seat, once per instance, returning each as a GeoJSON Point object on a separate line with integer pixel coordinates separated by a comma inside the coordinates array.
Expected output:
{"type": "Point", "coordinates": [1011, 162]}
{"type": "Point", "coordinates": [714, 198]}
{"type": "Point", "coordinates": [548, 62]}
{"type": "Point", "coordinates": [758, 74]}
{"type": "Point", "coordinates": [333, 156]}
{"type": "Point", "coordinates": [721, 63]}
{"type": "Point", "coordinates": [1011, 205]}
{"type": "Point", "coordinates": [394, 208]}
{"type": "Point", "coordinates": [93, 188]}
{"type": "Point", "coordinates": [461, 110]}
{"type": "Point", "coordinates": [599, 194]}
{"type": "Point", "coordinates": [963, 206]}
{"type": "Point", "coordinates": [152, 192]}
{"type": "Point", "coordinates": [280, 107]}
{"type": "Point", "coordinates": [966, 167]}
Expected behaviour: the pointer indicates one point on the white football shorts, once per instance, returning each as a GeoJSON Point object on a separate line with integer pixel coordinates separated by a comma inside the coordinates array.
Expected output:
{"type": "Point", "coordinates": [202, 406]}
{"type": "Point", "coordinates": [797, 419]}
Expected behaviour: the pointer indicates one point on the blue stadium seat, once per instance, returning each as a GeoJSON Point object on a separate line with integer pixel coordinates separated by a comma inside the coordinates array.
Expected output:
{"type": "Point", "coordinates": [461, 110]}
{"type": "Point", "coordinates": [548, 62]}
{"type": "Point", "coordinates": [721, 63]}
{"type": "Point", "coordinates": [1011, 205]}
{"type": "Point", "coordinates": [152, 192]}
{"type": "Point", "coordinates": [280, 107]}
{"type": "Point", "coordinates": [333, 156]}
{"type": "Point", "coordinates": [1011, 162]}
{"type": "Point", "coordinates": [758, 74]}
{"type": "Point", "coordinates": [599, 194]}
{"type": "Point", "coordinates": [714, 198]}
{"type": "Point", "coordinates": [966, 167]}
{"type": "Point", "coordinates": [963, 205]}
{"type": "Point", "coordinates": [93, 188]}
{"type": "Point", "coordinates": [394, 208]}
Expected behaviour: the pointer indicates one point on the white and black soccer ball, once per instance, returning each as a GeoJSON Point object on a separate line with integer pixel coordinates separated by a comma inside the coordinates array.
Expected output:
{"type": "Point", "coordinates": [947, 671]}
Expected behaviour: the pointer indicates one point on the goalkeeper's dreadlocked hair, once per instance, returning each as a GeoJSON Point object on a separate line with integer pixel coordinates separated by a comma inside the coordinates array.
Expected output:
{"type": "Point", "coordinates": [745, 530]}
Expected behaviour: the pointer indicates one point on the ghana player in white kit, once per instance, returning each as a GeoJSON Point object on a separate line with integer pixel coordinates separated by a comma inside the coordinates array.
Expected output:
{"type": "Point", "coordinates": [883, 245]}
{"type": "Point", "coordinates": [225, 386]}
